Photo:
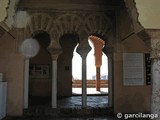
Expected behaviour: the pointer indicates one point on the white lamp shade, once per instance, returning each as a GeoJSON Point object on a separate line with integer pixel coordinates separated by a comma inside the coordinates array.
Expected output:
{"type": "Point", "coordinates": [29, 47]}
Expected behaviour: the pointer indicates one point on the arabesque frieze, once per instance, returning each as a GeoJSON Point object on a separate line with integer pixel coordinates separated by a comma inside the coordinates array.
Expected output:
{"type": "Point", "coordinates": [57, 25]}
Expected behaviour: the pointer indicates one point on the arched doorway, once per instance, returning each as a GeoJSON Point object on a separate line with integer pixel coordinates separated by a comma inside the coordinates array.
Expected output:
{"type": "Point", "coordinates": [64, 78]}
{"type": "Point", "coordinates": [97, 69]}
{"type": "Point", "coordinates": [40, 73]}
{"type": "Point", "coordinates": [76, 73]}
{"type": "Point", "coordinates": [91, 71]}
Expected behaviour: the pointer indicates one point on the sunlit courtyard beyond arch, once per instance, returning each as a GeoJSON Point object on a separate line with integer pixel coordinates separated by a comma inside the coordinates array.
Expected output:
{"type": "Point", "coordinates": [91, 72]}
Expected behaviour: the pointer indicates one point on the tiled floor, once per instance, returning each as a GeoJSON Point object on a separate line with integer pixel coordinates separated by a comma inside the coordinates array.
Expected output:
{"type": "Point", "coordinates": [75, 102]}
{"type": "Point", "coordinates": [71, 102]}
{"type": "Point", "coordinates": [69, 108]}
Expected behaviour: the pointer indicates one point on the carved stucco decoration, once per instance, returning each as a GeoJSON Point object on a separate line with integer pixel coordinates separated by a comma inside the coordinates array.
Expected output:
{"type": "Point", "coordinates": [68, 23]}
{"type": "Point", "coordinates": [7, 8]}
{"type": "Point", "coordinates": [97, 23]}
{"type": "Point", "coordinates": [155, 42]}
{"type": "Point", "coordinates": [42, 23]}
{"type": "Point", "coordinates": [38, 23]}
{"type": "Point", "coordinates": [133, 13]}
{"type": "Point", "coordinates": [100, 24]}
{"type": "Point", "coordinates": [56, 26]}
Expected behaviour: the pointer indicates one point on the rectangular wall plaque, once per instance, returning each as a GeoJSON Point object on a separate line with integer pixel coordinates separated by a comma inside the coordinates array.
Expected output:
{"type": "Point", "coordinates": [133, 69]}
{"type": "Point", "coordinates": [39, 71]}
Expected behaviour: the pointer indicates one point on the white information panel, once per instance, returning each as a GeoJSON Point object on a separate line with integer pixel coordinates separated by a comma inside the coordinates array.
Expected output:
{"type": "Point", "coordinates": [133, 69]}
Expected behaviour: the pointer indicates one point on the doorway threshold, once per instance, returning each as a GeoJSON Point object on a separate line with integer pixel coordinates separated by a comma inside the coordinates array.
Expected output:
{"type": "Point", "coordinates": [90, 91]}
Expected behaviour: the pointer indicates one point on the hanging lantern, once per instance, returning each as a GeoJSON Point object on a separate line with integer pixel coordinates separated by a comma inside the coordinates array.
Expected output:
{"type": "Point", "coordinates": [29, 47]}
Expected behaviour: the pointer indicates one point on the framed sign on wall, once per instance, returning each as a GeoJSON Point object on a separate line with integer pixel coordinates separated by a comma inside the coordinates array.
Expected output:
{"type": "Point", "coordinates": [39, 71]}
{"type": "Point", "coordinates": [133, 69]}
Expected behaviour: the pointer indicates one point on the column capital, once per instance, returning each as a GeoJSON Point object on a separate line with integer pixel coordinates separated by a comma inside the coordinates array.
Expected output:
{"type": "Point", "coordinates": [155, 42]}
{"type": "Point", "coordinates": [83, 49]}
{"type": "Point", "coordinates": [54, 49]}
{"type": "Point", "coordinates": [55, 52]}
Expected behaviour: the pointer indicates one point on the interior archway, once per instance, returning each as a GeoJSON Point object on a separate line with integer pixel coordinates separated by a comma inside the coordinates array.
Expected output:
{"type": "Point", "coordinates": [91, 73]}
{"type": "Point", "coordinates": [40, 73]}
{"type": "Point", "coordinates": [64, 82]}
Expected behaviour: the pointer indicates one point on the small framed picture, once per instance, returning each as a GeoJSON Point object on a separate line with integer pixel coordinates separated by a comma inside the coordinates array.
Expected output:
{"type": "Point", "coordinates": [39, 71]}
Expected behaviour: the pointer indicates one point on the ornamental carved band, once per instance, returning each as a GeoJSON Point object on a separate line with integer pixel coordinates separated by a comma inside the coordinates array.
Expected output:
{"type": "Point", "coordinates": [58, 25]}
{"type": "Point", "coordinates": [69, 23]}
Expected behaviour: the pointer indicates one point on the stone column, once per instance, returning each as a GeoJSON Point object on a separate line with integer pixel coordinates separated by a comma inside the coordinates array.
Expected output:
{"type": "Point", "coordinates": [54, 81]}
{"type": "Point", "coordinates": [110, 83]}
{"type": "Point", "coordinates": [84, 86]}
{"type": "Point", "coordinates": [55, 52]}
{"type": "Point", "coordinates": [155, 57]}
{"type": "Point", "coordinates": [83, 49]}
{"type": "Point", "coordinates": [29, 48]}
{"type": "Point", "coordinates": [98, 78]}
{"type": "Point", "coordinates": [26, 83]}
{"type": "Point", "coordinates": [109, 53]}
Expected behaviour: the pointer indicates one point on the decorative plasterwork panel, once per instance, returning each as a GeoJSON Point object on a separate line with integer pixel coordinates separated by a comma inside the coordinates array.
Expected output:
{"type": "Point", "coordinates": [58, 24]}
{"type": "Point", "coordinates": [97, 23]}
{"type": "Point", "coordinates": [68, 23]}
{"type": "Point", "coordinates": [39, 22]}
{"type": "Point", "coordinates": [7, 9]}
